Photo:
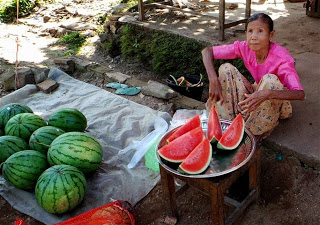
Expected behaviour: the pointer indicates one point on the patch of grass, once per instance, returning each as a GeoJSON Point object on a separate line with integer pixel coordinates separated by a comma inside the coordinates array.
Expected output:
{"type": "Point", "coordinates": [8, 9]}
{"type": "Point", "coordinates": [73, 41]}
{"type": "Point", "coordinates": [166, 53]}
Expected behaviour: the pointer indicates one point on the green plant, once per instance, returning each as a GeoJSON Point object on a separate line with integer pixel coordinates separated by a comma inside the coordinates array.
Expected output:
{"type": "Point", "coordinates": [112, 47]}
{"type": "Point", "coordinates": [8, 9]}
{"type": "Point", "coordinates": [167, 53]}
{"type": "Point", "coordinates": [73, 41]}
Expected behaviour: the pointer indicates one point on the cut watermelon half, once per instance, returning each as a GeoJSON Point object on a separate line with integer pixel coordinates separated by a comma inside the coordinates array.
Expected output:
{"type": "Point", "coordinates": [232, 137]}
{"type": "Point", "coordinates": [190, 125]}
{"type": "Point", "coordinates": [214, 131]}
{"type": "Point", "coordinates": [177, 150]}
{"type": "Point", "coordinates": [198, 160]}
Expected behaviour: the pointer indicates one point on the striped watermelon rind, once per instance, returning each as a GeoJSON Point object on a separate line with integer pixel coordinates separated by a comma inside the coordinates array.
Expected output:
{"type": "Point", "coordinates": [10, 145]}
{"type": "Point", "coordinates": [198, 160]}
{"type": "Point", "coordinates": [41, 139]}
{"type": "Point", "coordinates": [77, 149]}
{"type": "Point", "coordinates": [178, 149]}
{"type": "Point", "coordinates": [233, 136]}
{"type": "Point", "coordinates": [23, 125]}
{"type": "Point", "coordinates": [60, 188]}
{"type": "Point", "coordinates": [190, 125]}
{"type": "Point", "coordinates": [214, 131]}
{"type": "Point", "coordinates": [10, 110]}
{"type": "Point", "coordinates": [22, 169]}
{"type": "Point", "coordinates": [68, 120]}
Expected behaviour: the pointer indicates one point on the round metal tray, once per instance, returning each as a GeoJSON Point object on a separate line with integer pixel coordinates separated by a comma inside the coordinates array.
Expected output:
{"type": "Point", "coordinates": [222, 162]}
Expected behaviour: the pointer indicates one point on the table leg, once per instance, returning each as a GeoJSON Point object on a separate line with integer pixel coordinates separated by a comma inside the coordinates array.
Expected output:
{"type": "Point", "coordinates": [169, 191]}
{"type": "Point", "coordinates": [217, 203]}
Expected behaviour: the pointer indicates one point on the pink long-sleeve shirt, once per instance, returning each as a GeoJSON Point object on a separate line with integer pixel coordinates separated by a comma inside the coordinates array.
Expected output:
{"type": "Point", "coordinates": [278, 62]}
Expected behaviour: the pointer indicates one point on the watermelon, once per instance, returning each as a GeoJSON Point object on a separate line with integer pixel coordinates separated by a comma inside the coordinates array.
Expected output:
{"type": "Point", "coordinates": [10, 145]}
{"type": "Point", "coordinates": [10, 110]}
{"type": "Point", "coordinates": [232, 137]}
{"type": "Point", "coordinates": [22, 169]}
{"type": "Point", "coordinates": [76, 149]}
{"type": "Point", "coordinates": [68, 120]}
{"type": "Point", "coordinates": [23, 125]}
{"type": "Point", "coordinates": [198, 160]}
{"type": "Point", "coordinates": [41, 139]}
{"type": "Point", "coordinates": [190, 125]}
{"type": "Point", "coordinates": [214, 131]}
{"type": "Point", "coordinates": [60, 188]}
{"type": "Point", "coordinates": [1, 132]}
{"type": "Point", "coordinates": [177, 150]}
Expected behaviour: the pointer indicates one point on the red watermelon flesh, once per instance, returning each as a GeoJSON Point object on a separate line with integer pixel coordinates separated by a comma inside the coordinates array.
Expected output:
{"type": "Point", "coordinates": [214, 131]}
{"type": "Point", "coordinates": [232, 137]}
{"type": "Point", "coordinates": [190, 125]}
{"type": "Point", "coordinates": [177, 150]}
{"type": "Point", "coordinates": [198, 160]}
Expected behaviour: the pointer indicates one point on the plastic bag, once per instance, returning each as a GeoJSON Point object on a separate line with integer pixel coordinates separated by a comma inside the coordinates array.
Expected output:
{"type": "Point", "coordinates": [141, 147]}
{"type": "Point", "coordinates": [117, 212]}
{"type": "Point", "coordinates": [20, 222]}
{"type": "Point", "coordinates": [182, 116]}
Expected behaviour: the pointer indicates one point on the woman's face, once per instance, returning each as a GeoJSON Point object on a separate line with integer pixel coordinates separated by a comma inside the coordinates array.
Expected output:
{"type": "Point", "coordinates": [258, 35]}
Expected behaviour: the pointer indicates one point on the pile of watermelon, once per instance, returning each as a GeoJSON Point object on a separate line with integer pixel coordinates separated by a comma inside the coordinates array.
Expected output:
{"type": "Point", "coordinates": [191, 147]}
{"type": "Point", "coordinates": [52, 157]}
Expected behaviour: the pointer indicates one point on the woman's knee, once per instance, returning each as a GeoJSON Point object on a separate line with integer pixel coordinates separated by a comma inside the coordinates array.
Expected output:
{"type": "Point", "coordinates": [225, 68]}
{"type": "Point", "coordinates": [271, 82]}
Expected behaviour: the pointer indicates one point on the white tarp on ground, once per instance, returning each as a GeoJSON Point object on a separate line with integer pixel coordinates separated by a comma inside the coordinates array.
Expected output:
{"type": "Point", "coordinates": [114, 121]}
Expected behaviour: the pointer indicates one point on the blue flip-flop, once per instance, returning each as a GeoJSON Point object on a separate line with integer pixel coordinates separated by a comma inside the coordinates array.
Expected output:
{"type": "Point", "coordinates": [128, 91]}
{"type": "Point", "coordinates": [116, 85]}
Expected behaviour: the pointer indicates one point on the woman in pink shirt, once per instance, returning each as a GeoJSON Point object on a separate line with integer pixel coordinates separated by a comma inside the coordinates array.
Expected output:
{"type": "Point", "coordinates": [272, 67]}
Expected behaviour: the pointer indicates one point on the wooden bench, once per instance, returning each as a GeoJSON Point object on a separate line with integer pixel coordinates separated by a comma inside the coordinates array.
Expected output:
{"type": "Point", "coordinates": [216, 188]}
{"type": "Point", "coordinates": [222, 8]}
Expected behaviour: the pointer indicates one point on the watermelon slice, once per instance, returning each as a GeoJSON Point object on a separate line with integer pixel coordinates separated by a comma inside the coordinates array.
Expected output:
{"type": "Point", "coordinates": [198, 160]}
{"type": "Point", "coordinates": [190, 125]}
{"type": "Point", "coordinates": [177, 150]}
{"type": "Point", "coordinates": [233, 135]}
{"type": "Point", "coordinates": [214, 131]}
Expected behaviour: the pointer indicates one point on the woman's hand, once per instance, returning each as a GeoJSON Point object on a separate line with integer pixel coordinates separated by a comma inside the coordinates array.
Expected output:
{"type": "Point", "coordinates": [253, 100]}
{"type": "Point", "coordinates": [215, 91]}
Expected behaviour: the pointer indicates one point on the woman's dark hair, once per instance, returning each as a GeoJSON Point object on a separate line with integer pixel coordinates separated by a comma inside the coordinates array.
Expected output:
{"type": "Point", "coordinates": [264, 17]}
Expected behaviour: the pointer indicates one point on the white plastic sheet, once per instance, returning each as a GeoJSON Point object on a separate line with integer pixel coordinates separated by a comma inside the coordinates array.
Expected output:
{"type": "Point", "coordinates": [114, 121]}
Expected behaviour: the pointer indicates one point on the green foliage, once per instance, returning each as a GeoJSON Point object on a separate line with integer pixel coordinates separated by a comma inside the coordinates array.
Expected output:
{"type": "Point", "coordinates": [73, 41]}
{"type": "Point", "coordinates": [112, 47]}
{"type": "Point", "coordinates": [176, 55]}
{"type": "Point", "coordinates": [164, 53]}
{"type": "Point", "coordinates": [135, 44]}
{"type": "Point", "coordinates": [168, 53]}
{"type": "Point", "coordinates": [8, 9]}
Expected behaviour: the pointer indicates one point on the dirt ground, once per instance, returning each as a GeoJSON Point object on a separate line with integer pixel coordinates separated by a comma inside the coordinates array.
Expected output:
{"type": "Point", "coordinates": [289, 188]}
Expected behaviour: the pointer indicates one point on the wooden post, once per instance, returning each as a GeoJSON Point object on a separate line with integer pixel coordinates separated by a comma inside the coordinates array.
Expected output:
{"type": "Point", "coordinates": [141, 10]}
{"type": "Point", "coordinates": [222, 7]}
{"type": "Point", "coordinates": [248, 9]}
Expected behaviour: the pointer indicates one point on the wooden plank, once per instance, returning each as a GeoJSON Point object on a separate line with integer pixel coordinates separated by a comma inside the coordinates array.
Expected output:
{"type": "Point", "coordinates": [231, 219]}
{"type": "Point", "coordinates": [232, 24]}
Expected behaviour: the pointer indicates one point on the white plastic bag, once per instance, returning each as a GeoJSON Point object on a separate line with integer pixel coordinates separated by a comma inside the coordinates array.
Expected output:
{"type": "Point", "coordinates": [141, 147]}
